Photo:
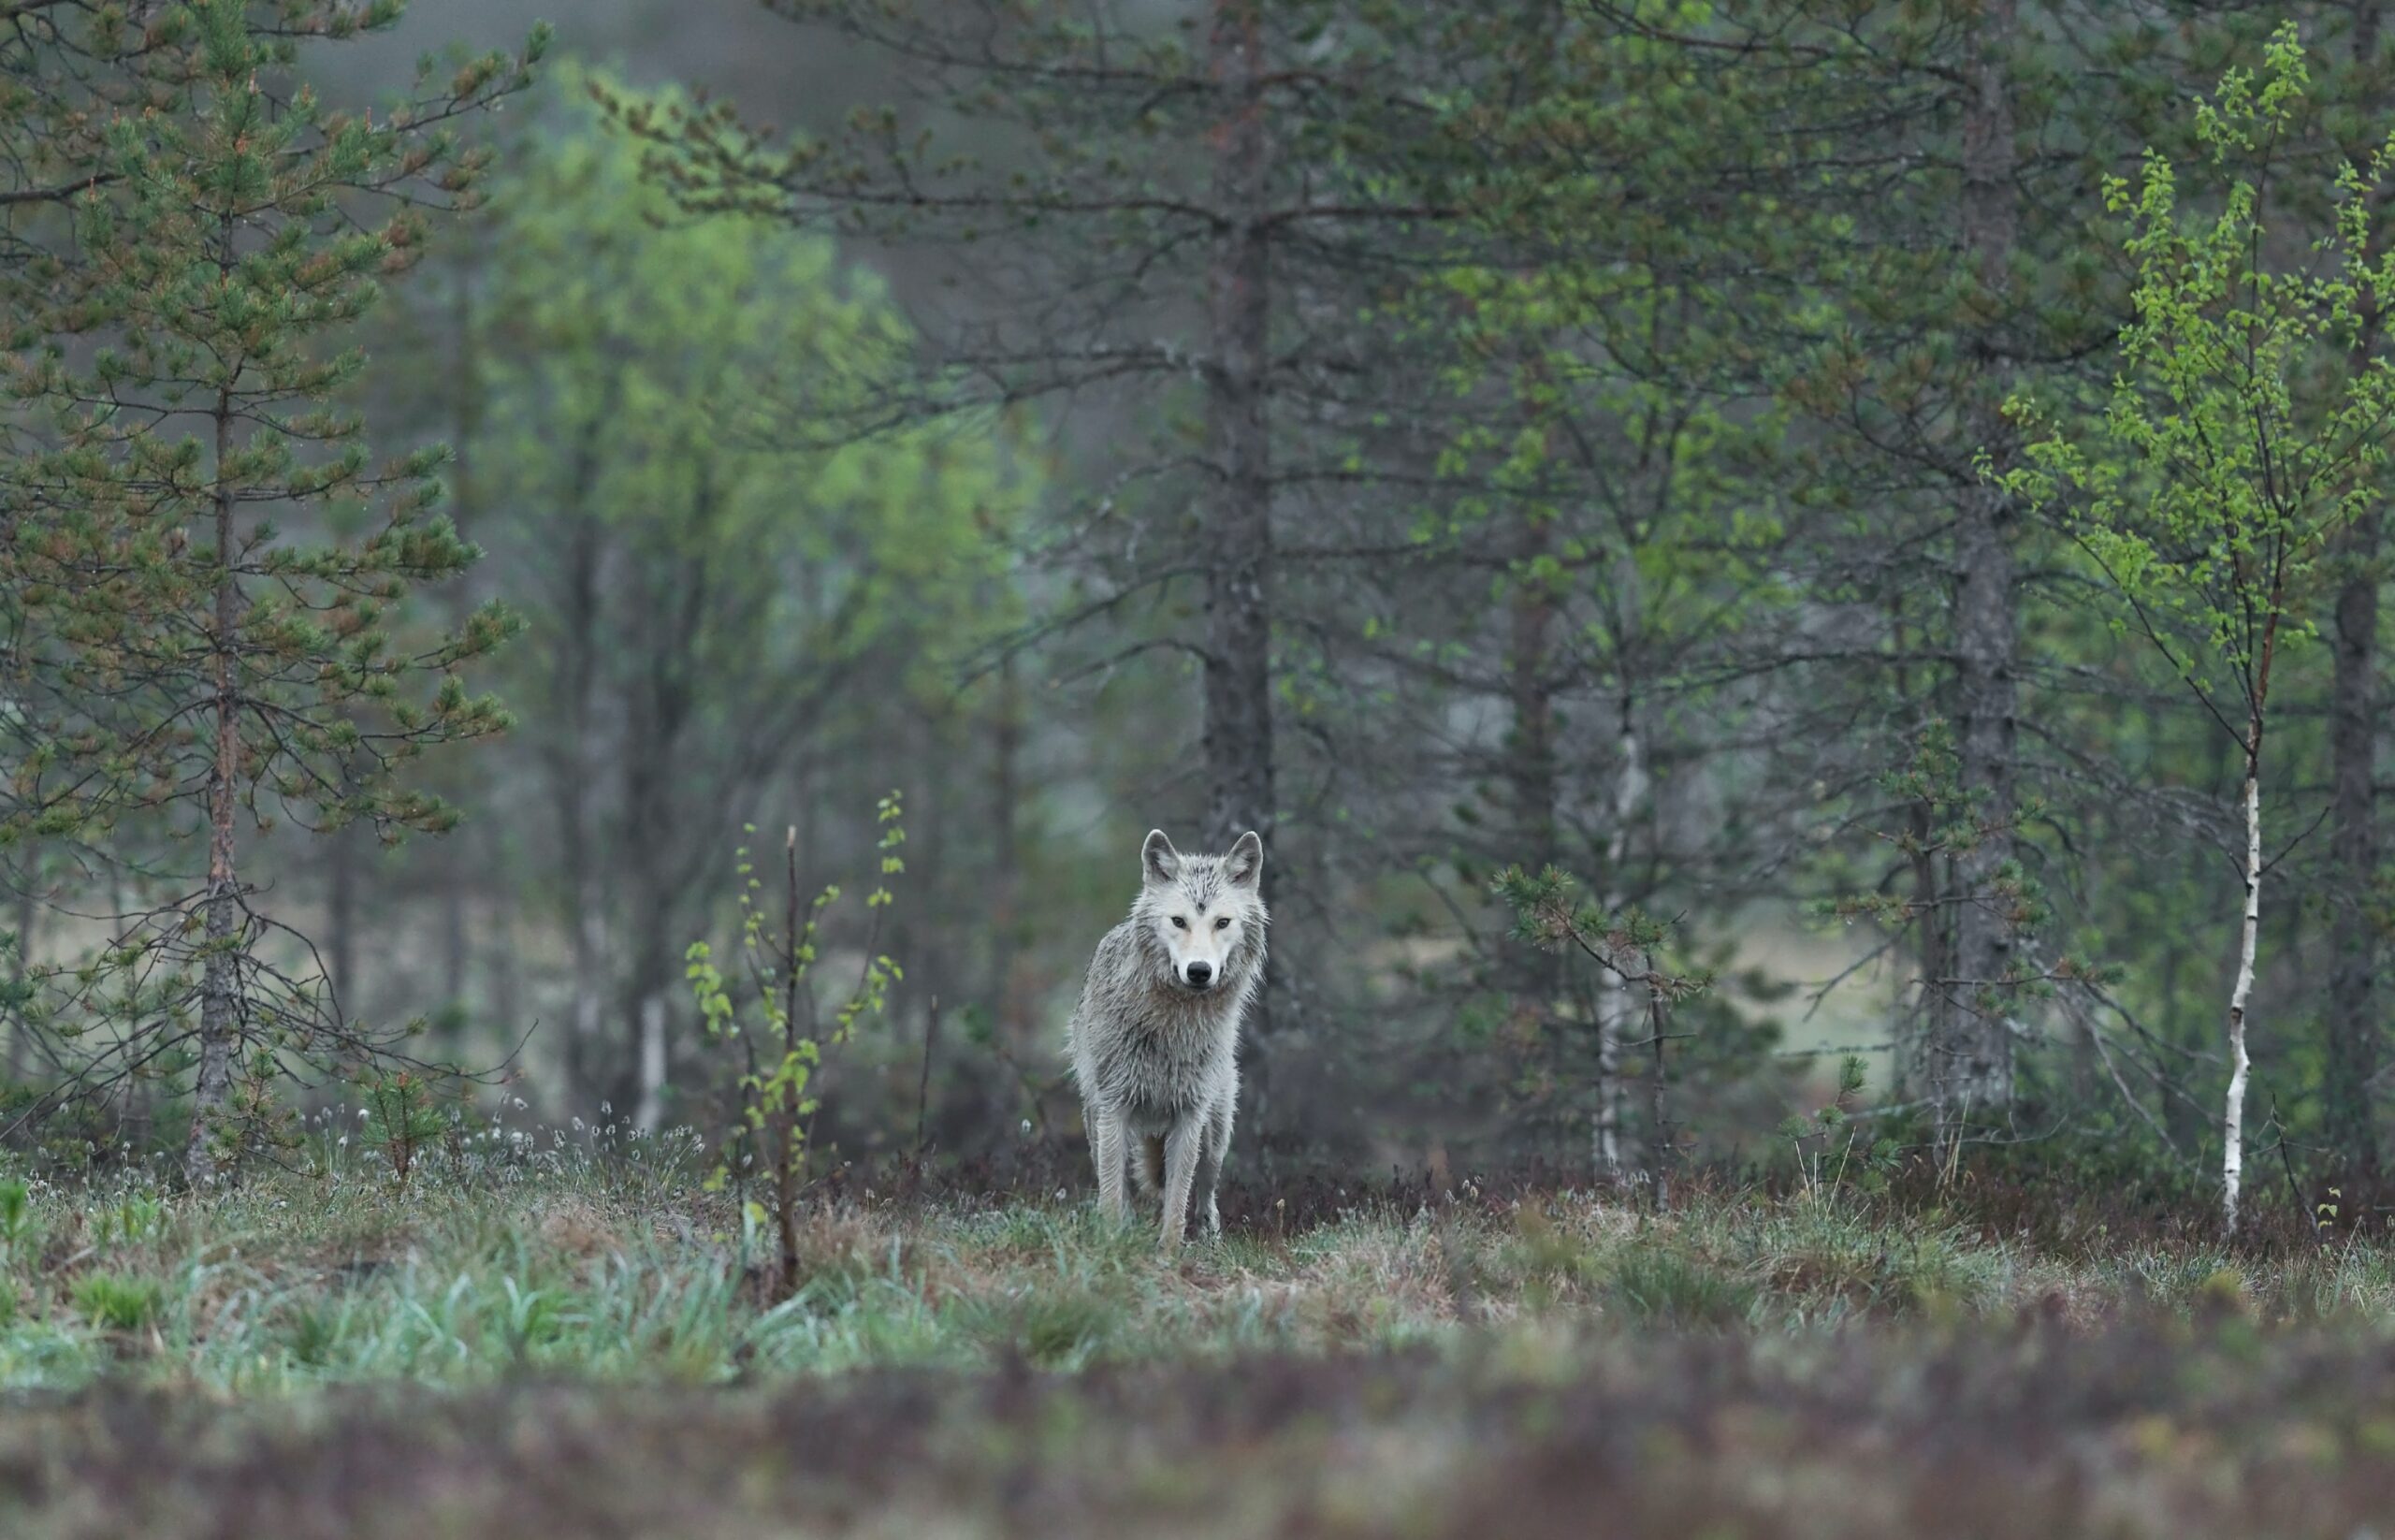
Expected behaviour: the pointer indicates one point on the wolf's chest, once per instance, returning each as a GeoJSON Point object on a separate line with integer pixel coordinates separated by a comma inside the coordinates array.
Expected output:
{"type": "Point", "coordinates": [1171, 1046]}
{"type": "Point", "coordinates": [1169, 1061]}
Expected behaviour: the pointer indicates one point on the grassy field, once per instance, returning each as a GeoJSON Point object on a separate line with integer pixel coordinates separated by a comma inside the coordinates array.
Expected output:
{"type": "Point", "coordinates": [566, 1343]}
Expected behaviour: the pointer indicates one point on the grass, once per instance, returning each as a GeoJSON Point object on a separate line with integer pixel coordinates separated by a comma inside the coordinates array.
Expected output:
{"type": "Point", "coordinates": [547, 1320]}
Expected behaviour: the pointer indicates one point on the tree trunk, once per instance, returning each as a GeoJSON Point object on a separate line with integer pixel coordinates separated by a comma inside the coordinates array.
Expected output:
{"type": "Point", "coordinates": [636, 1082]}
{"type": "Point", "coordinates": [1659, 1109]}
{"type": "Point", "coordinates": [1237, 540]}
{"type": "Point", "coordinates": [2249, 933]}
{"type": "Point", "coordinates": [1605, 1122]}
{"type": "Point", "coordinates": [341, 918]}
{"type": "Point", "coordinates": [1933, 1031]}
{"type": "Point", "coordinates": [586, 1004]}
{"type": "Point", "coordinates": [1531, 975]}
{"type": "Point", "coordinates": [1530, 750]}
{"type": "Point", "coordinates": [569, 755]}
{"type": "Point", "coordinates": [454, 951]}
{"type": "Point", "coordinates": [20, 968]}
{"type": "Point", "coordinates": [572, 763]}
{"type": "Point", "coordinates": [663, 631]}
{"type": "Point", "coordinates": [2233, 1115]}
{"type": "Point", "coordinates": [219, 988]}
{"type": "Point", "coordinates": [2353, 841]}
{"type": "Point", "coordinates": [1972, 1069]}
{"type": "Point", "coordinates": [1009, 983]}
{"type": "Point", "coordinates": [2353, 854]}
{"type": "Point", "coordinates": [1614, 1006]}
{"type": "Point", "coordinates": [461, 860]}
{"type": "Point", "coordinates": [1239, 537]}
{"type": "Point", "coordinates": [648, 1105]}
{"type": "Point", "coordinates": [919, 923]}
{"type": "Point", "coordinates": [502, 965]}
{"type": "Point", "coordinates": [1918, 1055]}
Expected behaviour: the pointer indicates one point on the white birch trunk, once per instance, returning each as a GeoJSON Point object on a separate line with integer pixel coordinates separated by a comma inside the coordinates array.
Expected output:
{"type": "Point", "coordinates": [2232, 1165]}
{"type": "Point", "coordinates": [650, 1112]}
{"type": "Point", "coordinates": [1614, 1006]}
{"type": "Point", "coordinates": [1604, 1132]}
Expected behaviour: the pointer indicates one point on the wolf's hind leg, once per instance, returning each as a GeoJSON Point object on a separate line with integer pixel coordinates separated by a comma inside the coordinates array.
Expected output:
{"type": "Point", "coordinates": [1211, 1149]}
{"type": "Point", "coordinates": [1105, 1148]}
{"type": "Point", "coordinates": [1151, 1167]}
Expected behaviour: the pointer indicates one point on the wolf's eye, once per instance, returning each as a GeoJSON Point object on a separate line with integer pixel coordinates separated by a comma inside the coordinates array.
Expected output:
{"type": "Point", "coordinates": [1179, 923]}
{"type": "Point", "coordinates": [1223, 923]}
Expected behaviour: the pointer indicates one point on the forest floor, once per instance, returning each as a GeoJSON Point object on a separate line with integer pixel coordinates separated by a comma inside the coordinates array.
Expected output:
{"type": "Point", "coordinates": [572, 1343]}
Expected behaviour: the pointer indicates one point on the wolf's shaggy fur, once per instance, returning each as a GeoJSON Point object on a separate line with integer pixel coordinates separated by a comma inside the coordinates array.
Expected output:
{"type": "Point", "coordinates": [1156, 1037]}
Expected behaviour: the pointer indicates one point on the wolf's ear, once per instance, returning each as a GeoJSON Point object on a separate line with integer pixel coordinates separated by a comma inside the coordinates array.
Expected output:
{"type": "Point", "coordinates": [1158, 861]}
{"type": "Point", "coordinates": [1244, 865]}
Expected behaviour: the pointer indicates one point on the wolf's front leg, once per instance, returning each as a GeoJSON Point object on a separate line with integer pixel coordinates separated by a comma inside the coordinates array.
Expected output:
{"type": "Point", "coordinates": [1180, 1147]}
{"type": "Point", "coordinates": [1105, 1148]}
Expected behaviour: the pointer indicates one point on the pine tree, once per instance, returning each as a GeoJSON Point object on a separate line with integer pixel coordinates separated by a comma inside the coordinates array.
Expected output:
{"type": "Point", "coordinates": [209, 563]}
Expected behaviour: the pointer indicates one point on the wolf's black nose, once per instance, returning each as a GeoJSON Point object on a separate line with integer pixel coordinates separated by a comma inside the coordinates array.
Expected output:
{"type": "Point", "coordinates": [1201, 972]}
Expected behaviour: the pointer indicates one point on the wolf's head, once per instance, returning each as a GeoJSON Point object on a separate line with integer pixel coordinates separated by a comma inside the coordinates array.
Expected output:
{"type": "Point", "coordinates": [1203, 915]}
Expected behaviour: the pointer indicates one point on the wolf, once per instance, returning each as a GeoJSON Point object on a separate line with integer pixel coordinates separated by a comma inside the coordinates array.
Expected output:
{"type": "Point", "coordinates": [1155, 1040]}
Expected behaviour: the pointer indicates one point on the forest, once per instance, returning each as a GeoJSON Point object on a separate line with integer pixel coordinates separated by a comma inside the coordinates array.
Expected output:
{"type": "Point", "coordinates": [595, 601]}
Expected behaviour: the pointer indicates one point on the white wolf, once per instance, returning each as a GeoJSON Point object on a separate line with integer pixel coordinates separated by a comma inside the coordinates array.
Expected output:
{"type": "Point", "coordinates": [1156, 1037]}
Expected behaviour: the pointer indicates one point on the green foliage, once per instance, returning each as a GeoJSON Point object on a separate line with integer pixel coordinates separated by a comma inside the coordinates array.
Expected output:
{"type": "Point", "coordinates": [17, 1233]}
{"type": "Point", "coordinates": [117, 1303]}
{"type": "Point", "coordinates": [403, 1116]}
{"type": "Point", "coordinates": [1056, 1328]}
{"type": "Point", "coordinates": [1622, 376]}
{"type": "Point", "coordinates": [1951, 820]}
{"type": "Point", "coordinates": [1823, 1156]}
{"type": "Point", "coordinates": [669, 387]}
{"type": "Point", "coordinates": [1681, 1292]}
{"type": "Point", "coordinates": [2240, 433]}
{"type": "Point", "coordinates": [1957, 823]}
{"type": "Point", "coordinates": [131, 1220]}
{"type": "Point", "coordinates": [1625, 942]}
{"type": "Point", "coordinates": [778, 1021]}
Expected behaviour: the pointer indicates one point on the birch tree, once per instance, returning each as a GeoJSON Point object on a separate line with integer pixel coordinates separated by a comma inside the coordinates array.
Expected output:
{"type": "Point", "coordinates": [2245, 429]}
{"type": "Point", "coordinates": [717, 600]}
